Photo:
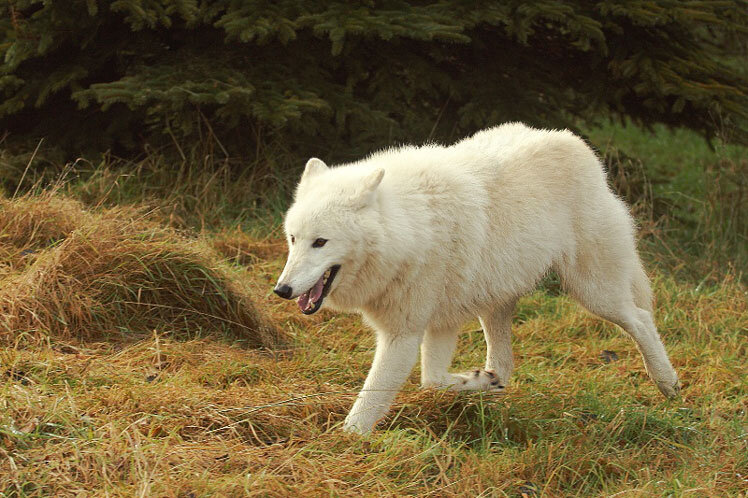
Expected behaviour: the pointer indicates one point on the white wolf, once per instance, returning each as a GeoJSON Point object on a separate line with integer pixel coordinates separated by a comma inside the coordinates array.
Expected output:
{"type": "Point", "coordinates": [422, 239]}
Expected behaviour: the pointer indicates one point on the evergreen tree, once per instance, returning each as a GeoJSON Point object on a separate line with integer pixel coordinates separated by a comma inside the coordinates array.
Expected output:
{"type": "Point", "coordinates": [327, 76]}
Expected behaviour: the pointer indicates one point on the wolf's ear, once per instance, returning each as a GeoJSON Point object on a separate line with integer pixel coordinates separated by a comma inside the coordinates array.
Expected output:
{"type": "Point", "coordinates": [313, 167]}
{"type": "Point", "coordinates": [373, 180]}
{"type": "Point", "coordinates": [368, 186]}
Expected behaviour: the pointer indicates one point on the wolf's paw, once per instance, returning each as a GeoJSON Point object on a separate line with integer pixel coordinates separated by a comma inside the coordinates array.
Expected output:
{"type": "Point", "coordinates": [353, 428]}
{"type": "Point", "coordinates": [670, 389]}
{"type": "Point", "coordinates": [477, 380]}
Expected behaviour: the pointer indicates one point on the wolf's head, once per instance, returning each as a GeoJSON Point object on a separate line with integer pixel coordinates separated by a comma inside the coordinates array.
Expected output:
{"type": "Point", "coordinates": [327, 229]}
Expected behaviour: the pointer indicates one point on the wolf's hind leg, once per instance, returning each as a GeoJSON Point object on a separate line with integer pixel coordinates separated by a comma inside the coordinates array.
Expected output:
{"type": "Point", "coordinates": [437, 349]}
{"type": "Point", "coordinates": [612, 296]}
{"type": "Point", "coordinates": [497, 327]}
{"type": "Point", "coordinates": [638, 323]}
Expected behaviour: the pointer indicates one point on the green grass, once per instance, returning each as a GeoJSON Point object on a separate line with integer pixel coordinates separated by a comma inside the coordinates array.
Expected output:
{"type": "Point", "coordinates": [203, 415]}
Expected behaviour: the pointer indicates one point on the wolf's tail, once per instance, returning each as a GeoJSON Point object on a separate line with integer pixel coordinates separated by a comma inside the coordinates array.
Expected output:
{"type": "Point", "coordinates": [641, 288]}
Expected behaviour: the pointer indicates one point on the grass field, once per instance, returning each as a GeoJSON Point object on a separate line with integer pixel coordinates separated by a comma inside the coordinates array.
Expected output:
{"type": "Point", "coordinates": [173, 412]}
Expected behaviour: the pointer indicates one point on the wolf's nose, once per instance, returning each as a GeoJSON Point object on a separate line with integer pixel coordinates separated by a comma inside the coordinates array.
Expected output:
{"type": "Point", "coordinates": [283, 291]}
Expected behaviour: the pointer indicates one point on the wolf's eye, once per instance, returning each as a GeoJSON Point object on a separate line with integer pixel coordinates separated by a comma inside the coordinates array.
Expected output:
{"type": "Point", "coordinates": [319, 242]}
{"type": "Point", "coordinates": [293, 239]}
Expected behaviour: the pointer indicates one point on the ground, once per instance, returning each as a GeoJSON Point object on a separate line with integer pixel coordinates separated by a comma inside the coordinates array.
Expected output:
{"type": "Point", "coordinates": [159, 415]}
{"type": "Point", "coordinates": [199, 412]}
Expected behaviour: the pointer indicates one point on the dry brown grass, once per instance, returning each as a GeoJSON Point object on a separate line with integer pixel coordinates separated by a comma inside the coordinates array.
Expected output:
{"type": "Point", "coordinates": [238, 246]}
{"type": "Point", "coordinates": [77, 274]}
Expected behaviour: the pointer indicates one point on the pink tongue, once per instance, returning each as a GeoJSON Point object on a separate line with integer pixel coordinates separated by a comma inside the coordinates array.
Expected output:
{"type": "Point", "coordinates": [303, 300]}
{"type": "Point", "coordinates": [316, 291]}
{"type": "Point", "coordinates": [312, 295]}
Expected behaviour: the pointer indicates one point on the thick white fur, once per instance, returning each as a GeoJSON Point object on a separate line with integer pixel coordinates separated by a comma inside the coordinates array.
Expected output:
{"type": "Point", "coordinates": [430, 237]}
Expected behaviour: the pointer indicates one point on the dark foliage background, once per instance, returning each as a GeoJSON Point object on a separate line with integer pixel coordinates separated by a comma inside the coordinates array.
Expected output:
{"type": "Point", "coordinates": [337, 78]}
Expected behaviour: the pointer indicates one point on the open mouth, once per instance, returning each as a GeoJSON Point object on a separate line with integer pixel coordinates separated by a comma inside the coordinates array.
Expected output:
{"type": "Point", "coordinates": [310, 301]}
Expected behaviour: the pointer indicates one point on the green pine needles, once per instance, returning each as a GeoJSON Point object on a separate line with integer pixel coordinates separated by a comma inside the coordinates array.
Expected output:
{"type": "Point", "coordinates": [332, 76]}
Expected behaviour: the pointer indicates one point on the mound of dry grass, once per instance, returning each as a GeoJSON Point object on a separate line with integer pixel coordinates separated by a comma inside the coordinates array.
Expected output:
{"type": "Point", "coordinates": [29, 224]}
{"type": "Point", "coordinates": [73, 273]}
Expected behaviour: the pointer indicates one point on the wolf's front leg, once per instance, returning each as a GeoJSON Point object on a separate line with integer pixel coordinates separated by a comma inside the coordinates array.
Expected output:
{"type": "Point", "coordinates": [393, 361]}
